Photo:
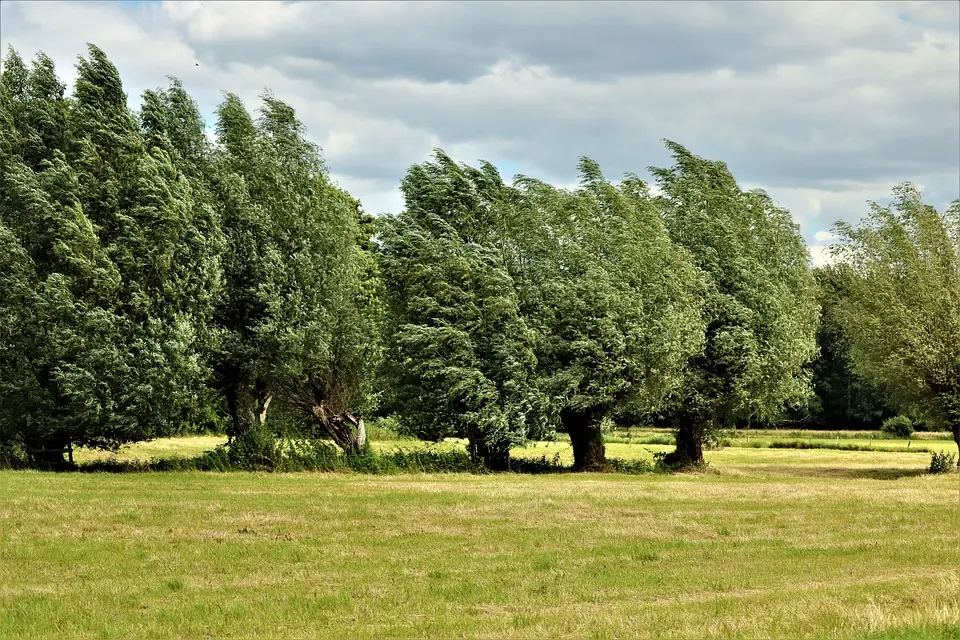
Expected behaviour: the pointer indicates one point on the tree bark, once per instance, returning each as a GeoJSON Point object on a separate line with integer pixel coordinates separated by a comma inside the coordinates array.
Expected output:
{"type": "Point", "coordinates": [955, 428]}
{"type": "Point", "coordinates": [48, 453]}
{"type": "Point", "coordinates": [494, 457]}
{"type": "Point", "coordinates": [264, 396]}
{"type": "Point", "coordinates": [233, 409]}
{"type": "Point", "coordinates": [346, 430]}
{"type": "Point", "coordinates": [589, 450]}
{"type": "Point", "coordinates": [689, 451]}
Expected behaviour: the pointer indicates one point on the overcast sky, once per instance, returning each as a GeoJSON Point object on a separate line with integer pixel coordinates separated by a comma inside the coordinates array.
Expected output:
{"type": "Point", "coordinates": [824, 104]}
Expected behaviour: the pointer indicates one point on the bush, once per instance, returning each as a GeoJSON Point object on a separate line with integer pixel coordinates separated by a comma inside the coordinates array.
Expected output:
{"type": "Point", "coordinates": [898, 427]}
{"type": "Point", "coordinates": [942, 462]}
{"type": "Point", "coordinates": [13, 455]}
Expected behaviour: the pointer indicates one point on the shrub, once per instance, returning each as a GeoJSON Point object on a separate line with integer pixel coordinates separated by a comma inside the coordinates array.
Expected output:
{"type": "Point", "coordinates": [942, 462]}
{"type": "Point", "coordinates": [898, 427]}
{"type": "Point", "coordinates": [13, 455]}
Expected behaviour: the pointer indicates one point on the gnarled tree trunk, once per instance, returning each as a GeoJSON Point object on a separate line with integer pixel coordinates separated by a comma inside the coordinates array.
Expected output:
{"type": "Point", "coordinates": [48, 453]}
{"type": "Point", "coordinates": [264, 396]}
{"type": "Point", "coordinates": [589, 450]}
{"type": "Point", "coordinates": [345, 429]}
{"type": "Point", "coordinates": [689, 451]}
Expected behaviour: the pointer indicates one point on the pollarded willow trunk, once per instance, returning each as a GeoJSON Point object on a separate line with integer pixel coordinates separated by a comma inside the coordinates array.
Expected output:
{"type": "Point", "coordinates": [589, 450]}
{"type": "Point", "coordinates": [264, 396]}
{"type": "Point", "coordinates": [494, 457]}
{"type": "Point", "coordinates": [689, 451]}
{"type": "Point", "coordinates": [48, 453]}
{"type": "Point", "coordinates": [346, 430]}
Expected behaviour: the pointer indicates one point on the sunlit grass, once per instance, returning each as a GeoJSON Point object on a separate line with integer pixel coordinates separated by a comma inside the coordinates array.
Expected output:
{"type": "Point", "coordinates": [767, 543]}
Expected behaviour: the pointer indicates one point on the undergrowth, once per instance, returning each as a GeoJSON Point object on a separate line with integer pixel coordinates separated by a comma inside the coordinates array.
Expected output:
{"type": "Point", "coordinates": [318, 455]}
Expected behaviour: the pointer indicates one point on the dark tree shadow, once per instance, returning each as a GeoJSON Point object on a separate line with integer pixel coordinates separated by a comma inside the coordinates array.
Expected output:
{"type": "Point", "coordinates": [863, 473]}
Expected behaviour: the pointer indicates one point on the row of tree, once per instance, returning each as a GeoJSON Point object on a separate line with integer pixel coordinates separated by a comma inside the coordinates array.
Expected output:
{"type": "Point", "coordinates": [154, 279]}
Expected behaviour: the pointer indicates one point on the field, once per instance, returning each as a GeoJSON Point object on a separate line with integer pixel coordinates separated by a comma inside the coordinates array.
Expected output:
{"type": "Point", "coordinates": [812, 543]}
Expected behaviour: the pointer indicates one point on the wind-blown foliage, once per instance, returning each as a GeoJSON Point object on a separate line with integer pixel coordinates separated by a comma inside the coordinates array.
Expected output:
{"type": "Point", "coordinates": [105, 345]}
{"type": "Point", "coordinates": [613, 301]}
{"type": "Point", "coordinates": [459, 358]}
{"type": "Point", "coordinates": [841, 397]}
{"type": "Point", "coordinates": [902, 310]}
{"type": "Point", "coordinates": [760, 301]}
{"type": "Point", "coordinates": [295, 317]}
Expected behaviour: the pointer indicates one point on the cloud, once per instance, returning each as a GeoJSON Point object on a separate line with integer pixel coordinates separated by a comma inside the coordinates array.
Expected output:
{"type": "Point", "coordinates": [824, 105]}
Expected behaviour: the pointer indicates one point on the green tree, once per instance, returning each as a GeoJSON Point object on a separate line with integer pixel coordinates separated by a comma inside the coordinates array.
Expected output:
{"type": "Point", "coordinates": [613, 301]}
{"type": "Point", "coordinates": [458, 355]}
{"type": "Point", "coordinates": [106, 349]}
{"type": "Point", "coordinates": [902, 310]}
{"type": "Point", "coordinates": [760, 303]}
{"type": "Point", "coordinates": [296, 318]}
{"type": "Point", "coordinates": [842, 399]}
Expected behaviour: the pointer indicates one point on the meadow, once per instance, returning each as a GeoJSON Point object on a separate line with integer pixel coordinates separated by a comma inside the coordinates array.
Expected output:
{"type": "Point", "coordinates": [766, 543]}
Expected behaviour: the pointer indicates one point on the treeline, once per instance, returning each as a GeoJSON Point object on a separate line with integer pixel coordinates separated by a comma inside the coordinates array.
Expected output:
{"type": "Point", "coordinates": [155, 280]}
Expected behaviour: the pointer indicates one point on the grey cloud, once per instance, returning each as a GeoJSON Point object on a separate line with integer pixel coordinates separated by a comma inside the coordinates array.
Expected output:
{"type": "Point", "coordinates": [830, 103]}
{"type": "Point", "coordinates": [458, 42]}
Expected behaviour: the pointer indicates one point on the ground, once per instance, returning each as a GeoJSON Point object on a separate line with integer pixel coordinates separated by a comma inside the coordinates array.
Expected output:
{"type": "Point", "coordinates": [768, 543]}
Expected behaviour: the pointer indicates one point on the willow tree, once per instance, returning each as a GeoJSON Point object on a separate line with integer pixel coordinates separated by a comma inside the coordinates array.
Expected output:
{"type": "Point", "coordinates": [613, 301]}
{"type": "Point", "coordinates": [901, 311]}
{"type": "Point", "coordinates": [760, 302]}
{"type": "Point", "coordinates": [107, 348]}
{"type": "Point", "coordinates": [297, 317]}
{"type": "Point", "coordinates": [458, 355]}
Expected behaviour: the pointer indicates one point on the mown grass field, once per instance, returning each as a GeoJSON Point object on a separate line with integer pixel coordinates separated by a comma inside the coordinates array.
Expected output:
{"type": "Point", "coordinates": [770, 543]}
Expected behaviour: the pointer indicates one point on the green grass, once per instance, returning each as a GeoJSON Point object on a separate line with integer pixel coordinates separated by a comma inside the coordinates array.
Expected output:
{"type": "Point", "coordinates": [791, 543]}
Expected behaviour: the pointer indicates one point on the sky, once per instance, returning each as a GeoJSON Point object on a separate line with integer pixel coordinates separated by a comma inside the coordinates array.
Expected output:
{"type": "Point", "coordinates": [825, 105]}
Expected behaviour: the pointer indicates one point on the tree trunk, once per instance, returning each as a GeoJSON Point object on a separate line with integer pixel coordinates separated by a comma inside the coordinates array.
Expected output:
{"type": "Point", "coordinates": [233, 410]}
{"type": "Point", "coordinates": [493, 457]}
{"type": "Point", "coordinates": [346, 430]}
{"type": "Point", "coordinates": [589, 451]}
{"type": "Point", "coordinates": [689, 451]}
{"type": "Point", "coordinates": [955, 428]}
{"type": "Point", "coordinates": [264, 396]}
{"type": "Point", "coordinates": [48, 453]}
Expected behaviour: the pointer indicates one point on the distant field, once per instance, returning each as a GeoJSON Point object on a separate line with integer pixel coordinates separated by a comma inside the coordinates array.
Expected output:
{"type": "Point", "coordinates": [770, 543]}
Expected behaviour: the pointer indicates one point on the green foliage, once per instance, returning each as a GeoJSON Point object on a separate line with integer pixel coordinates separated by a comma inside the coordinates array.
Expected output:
{"type": "Point", "coordinates": [902, 312]}
{"type": "Point", "coordinates": [299, 316]}
{"type": "Point", "coordinates": [104, 341]}
{"type": "Point", "coordinates": [613, 301]}
{"type": "Point", "coordinates": [760, 304]}
{"type": "Point", "coordinates": [138, 260]}
{"type": "Point", "coordinates": [899, 426]}
{"type": "Point", "coordinates": [841, 397]}
{"type": "Point", "coordinates": [942, 462]}
{"type": "Point", "coordinates": [459, 358]}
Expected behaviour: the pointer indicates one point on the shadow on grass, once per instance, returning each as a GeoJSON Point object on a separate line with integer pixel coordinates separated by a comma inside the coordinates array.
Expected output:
{"type": "Point", "coordinates": [322, 457]}
{"type": "Point", "coordinates": [851, 473]}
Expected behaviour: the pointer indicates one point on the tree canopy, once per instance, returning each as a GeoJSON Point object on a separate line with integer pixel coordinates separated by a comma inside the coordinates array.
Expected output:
{"type": "Point", "coordinates": [159, 276]}
{"type": "Point", "coordinates": [902, 310]}
{"type": "Point", "coordinates": [761, 312]}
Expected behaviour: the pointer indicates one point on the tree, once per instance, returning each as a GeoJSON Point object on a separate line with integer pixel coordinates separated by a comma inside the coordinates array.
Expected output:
{"type": "Point", "coordinates": [613, 301]}
{"type": "Point", "coordinates": [760, 302]}
{"type": "Point", "coordinates": [295, 316]}
{"type": "Point", "coordinates": [841, 398]}
{"type": "Point", "coordinates": [105, 351]}
{"type": "Point", "coordinates": [902, 311]}
{"type": "Point", "coordinates": [458, 355]}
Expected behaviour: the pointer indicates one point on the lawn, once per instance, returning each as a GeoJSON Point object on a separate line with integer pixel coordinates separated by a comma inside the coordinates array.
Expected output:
{"type": "Point", "coordinates": [769, 543]}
